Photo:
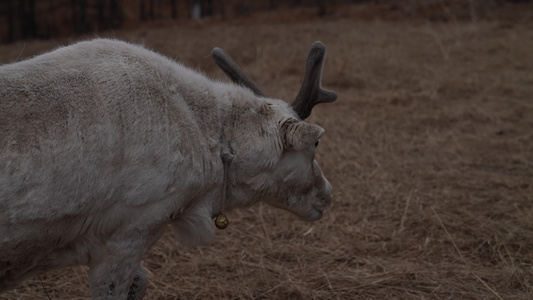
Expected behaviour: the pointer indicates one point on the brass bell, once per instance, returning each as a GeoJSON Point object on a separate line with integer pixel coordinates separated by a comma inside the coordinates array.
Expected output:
{"type": "Point", "coordinates": [221, 221]}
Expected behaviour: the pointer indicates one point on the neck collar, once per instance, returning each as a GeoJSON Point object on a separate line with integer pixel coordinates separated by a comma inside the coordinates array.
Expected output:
{"type": "Point", "coordinates": [227, 157]}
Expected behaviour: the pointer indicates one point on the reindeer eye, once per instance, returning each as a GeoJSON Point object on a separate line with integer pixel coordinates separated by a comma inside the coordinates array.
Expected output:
{"type": "Point", "coordinates": [316, 144]}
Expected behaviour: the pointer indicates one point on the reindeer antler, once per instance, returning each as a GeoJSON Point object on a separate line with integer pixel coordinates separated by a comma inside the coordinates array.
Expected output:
{"type": "Point", "coordinates": [224, 61]}
{"type": "Point", "coordinates": [311, 92]}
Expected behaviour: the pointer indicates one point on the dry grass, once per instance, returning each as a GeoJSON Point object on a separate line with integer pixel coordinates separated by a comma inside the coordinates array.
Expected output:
{"type": "Point", "coordinates": [429, 148]}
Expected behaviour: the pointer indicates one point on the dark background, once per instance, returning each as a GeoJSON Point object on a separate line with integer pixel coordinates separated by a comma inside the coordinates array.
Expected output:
{"type": "Point", "coordinates": [46, 19]}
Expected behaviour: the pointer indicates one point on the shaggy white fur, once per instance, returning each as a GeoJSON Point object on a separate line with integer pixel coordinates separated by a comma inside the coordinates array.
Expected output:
{"type": "Point", "coordinates": [103, 143]}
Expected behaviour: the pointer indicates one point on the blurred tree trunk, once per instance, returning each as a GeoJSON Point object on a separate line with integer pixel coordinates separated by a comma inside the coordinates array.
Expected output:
{"type": "Point", "coordinates": [115, 14]}
{"type": "Point", "coordinates": [84, 27]}
{"type": "Point", "coordinates": [74, 12]}
{"type": "Point", "coordinates": [10, 22]}
{"type": "Point", "coordinates": [151, 9]}
{"type": "Point", "coordinates": [295, 3]}
{"type": "Point", "coordinates": [196, 9]}
{"type": "Point", "coordinates": [173, 9]}
{"type": "Point", "coordinates": [147, 10]}
{"type": "Point", "coordinates": [79, 15]}
{"type": "Point", "coordinates": [220, 7]}
{"type": "Point", "coordinates": [322, 7]}
{"type": "Point", "coordinates": [207, 8]}
{"type": "Point", "coordinates": [142, 10]}
{"type": "Point", "coordinates": [100, 8]}
{"type": "Point", "coordinates": [26, 14]}
{"type": "Point", "coordinates": [109, 14]}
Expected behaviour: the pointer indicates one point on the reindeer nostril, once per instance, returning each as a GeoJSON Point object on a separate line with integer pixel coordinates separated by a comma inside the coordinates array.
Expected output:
{"type": "Point", "coordinates": [324, 201]}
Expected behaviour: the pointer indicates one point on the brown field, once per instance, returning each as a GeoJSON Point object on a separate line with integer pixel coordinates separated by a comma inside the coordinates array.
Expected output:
{"type": "Point", "coordinates": [429, 149]}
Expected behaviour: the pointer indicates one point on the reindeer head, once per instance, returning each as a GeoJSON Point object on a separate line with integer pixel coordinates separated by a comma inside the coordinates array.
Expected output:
{"type": "Point", "coordinates": [294, 181]}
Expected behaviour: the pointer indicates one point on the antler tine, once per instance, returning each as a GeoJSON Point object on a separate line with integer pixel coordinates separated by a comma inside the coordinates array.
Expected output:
{"type": "Point", "coordinates": [311, 92]}
{"type": "Point", "coordinates": [230, 67]}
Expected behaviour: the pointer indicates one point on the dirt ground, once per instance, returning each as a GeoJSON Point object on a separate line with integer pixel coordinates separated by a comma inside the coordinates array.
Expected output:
{"type": "Point", "coordinates": [429, 148]}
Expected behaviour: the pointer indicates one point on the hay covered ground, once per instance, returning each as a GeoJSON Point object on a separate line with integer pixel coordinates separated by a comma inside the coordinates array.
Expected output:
{"type": "Point", "coordinates": [429, 149]}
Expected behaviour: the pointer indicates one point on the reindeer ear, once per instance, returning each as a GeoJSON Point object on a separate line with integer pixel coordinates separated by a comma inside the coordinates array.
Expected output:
{"type": "Point", "coordinates": [298, 135]}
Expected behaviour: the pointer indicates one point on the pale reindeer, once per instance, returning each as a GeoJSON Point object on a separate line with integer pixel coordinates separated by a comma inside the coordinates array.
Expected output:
{"type": "Point", "coordinates": [104, 143]}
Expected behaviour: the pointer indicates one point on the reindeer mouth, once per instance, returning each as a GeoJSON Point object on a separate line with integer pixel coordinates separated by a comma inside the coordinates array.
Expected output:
{"type": "Point", "coordinates": [317, 211]}
{"type": "Point", "coordinates": [313, 214]}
